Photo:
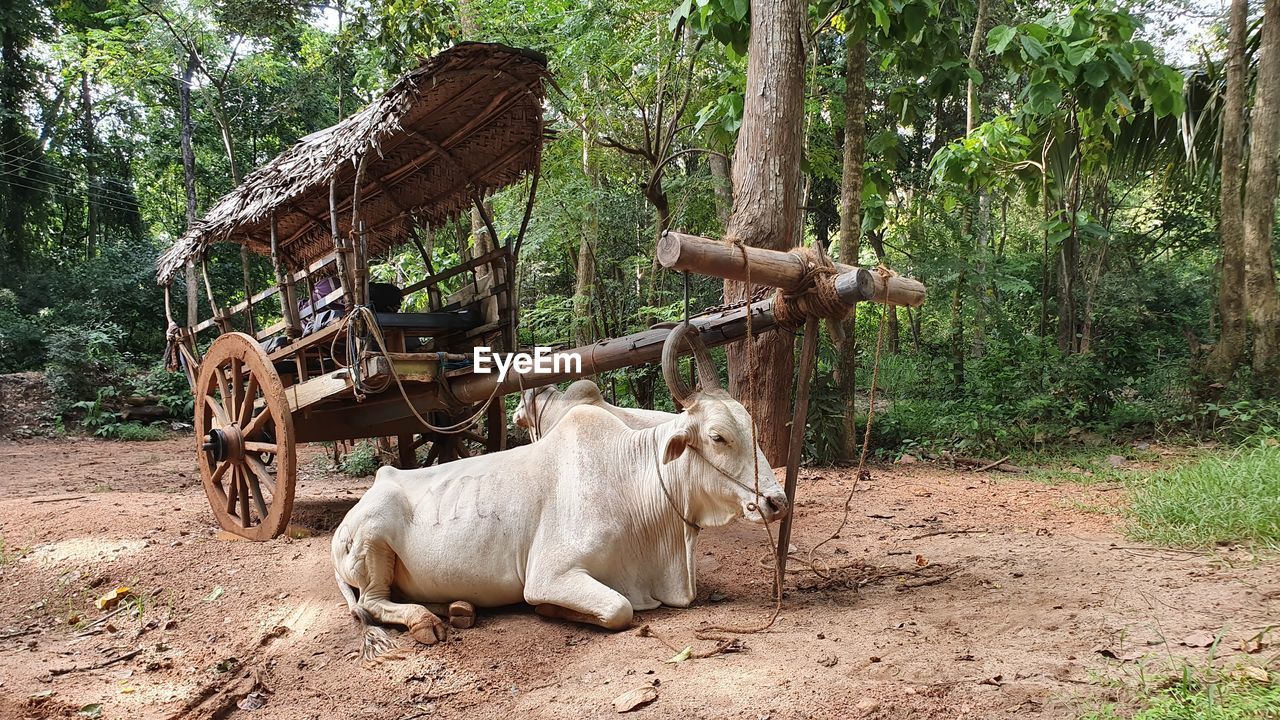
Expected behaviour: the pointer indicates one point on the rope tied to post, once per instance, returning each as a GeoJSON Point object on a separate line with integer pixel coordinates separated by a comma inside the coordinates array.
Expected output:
{"type": "Point", "coordinates": [815, 296]}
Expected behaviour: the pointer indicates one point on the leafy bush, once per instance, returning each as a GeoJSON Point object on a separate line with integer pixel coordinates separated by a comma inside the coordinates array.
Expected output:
{"type": "Point", "coordinates": [99, 416]}
{"type": "Point", "coordinates": [362, 461]}
{"type": "Point", "coordinates": [170, 387]}
{"type": "Point", "coordinates": [83, 360]}
{"type": "Point", "coordinates": [21, 336]}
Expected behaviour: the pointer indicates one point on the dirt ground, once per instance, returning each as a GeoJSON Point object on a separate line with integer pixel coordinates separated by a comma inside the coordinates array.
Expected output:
{"type": "Point", "coordinates": [1030, 603]}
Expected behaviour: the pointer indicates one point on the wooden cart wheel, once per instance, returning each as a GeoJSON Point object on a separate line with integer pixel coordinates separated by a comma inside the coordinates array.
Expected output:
{"type": "Point", "coordinates": [488, 434]}
{"type": "Point", "coordinates": [244, 439]}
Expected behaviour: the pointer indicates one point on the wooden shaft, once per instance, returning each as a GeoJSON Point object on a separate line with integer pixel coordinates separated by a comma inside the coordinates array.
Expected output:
{"type": "Point", "coordinates": [193, 310]}
{"type": "Point", "coordinates": [678, 251]}
{"type": "Point", "coordinates": [799, 421]}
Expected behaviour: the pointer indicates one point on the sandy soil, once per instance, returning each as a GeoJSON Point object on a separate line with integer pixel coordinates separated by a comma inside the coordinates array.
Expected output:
{"type": "Point", "coordinates": [1026, 590]}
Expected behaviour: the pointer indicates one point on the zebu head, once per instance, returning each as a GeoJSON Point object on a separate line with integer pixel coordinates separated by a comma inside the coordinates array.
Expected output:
{"type": "Point", "coordinates": [541, 408]}
{"type": "Point", "coordinates": [727, 471]}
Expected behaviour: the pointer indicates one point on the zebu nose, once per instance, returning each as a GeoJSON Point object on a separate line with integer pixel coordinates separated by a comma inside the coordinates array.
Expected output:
{"type": "Point", "coordinates": [775, 507]}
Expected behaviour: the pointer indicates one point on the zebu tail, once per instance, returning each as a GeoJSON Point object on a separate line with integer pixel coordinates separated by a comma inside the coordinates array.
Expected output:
{"type": "Point", "coordinates": [377, 641]}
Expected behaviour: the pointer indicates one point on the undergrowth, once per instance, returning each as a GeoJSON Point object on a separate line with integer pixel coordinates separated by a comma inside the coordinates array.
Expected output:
{"type": "Point", "coordinates": [1233, 497]}
{"type": "Point", "coordinates": [1203, 695]}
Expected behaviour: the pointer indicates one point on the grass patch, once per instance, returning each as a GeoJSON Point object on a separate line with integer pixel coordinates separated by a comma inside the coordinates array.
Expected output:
{"type": "Point", "coordinates": [1198, 698]}
{"type": "Point", "coordinates": [1221, 499]}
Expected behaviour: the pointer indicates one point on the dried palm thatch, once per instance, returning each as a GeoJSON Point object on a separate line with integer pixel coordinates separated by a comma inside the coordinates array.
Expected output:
{"type": "Point", "coordinates": [465, 123]}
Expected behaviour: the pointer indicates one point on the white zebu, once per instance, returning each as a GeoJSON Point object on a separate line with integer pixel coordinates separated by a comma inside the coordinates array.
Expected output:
{"type": "Point", "coordinates": [592, 523]}
{"type": "Point", "coordinates": [542, 408]}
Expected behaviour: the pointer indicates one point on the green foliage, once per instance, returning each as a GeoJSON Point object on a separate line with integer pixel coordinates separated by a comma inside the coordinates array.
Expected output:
{"type": "Point", "coordinates": [1207, 694]}
{"type": "Point", "coordinates": [99, 416]}
{"type": "Point", "coordinates": [21, 336]}
{"type": "Point", "coordinates": [84, 361]}
{"type": "Point", "coordinates": [362, 461]}
{"type": "Point", "coordinates": [1230, 498]}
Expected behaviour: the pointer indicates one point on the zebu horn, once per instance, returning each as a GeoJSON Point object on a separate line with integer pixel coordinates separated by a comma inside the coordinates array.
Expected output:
{"type": "Point", "coordinates": [686, 333]}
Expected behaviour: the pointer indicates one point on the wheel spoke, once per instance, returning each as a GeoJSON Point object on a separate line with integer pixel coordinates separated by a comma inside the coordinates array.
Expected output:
{"type": "Point", "coordinates": [256, 489]}
{"type": "Point", "coordinates": [260, 447]}
{"type": "Point", "coordinates": [245, 519]}
{"type": "Point", "coordinates": [237, 387]}
{"type": "Point", "coordinates": [218, 472]}
{"type": "Point", "coordinates": [228, 400]}
{"type": "Point", "coordinates": [259, 421]}
{"type": "Point", "coordinates": [263, 474]}
{"type": "Point", "coordinates": [233, 489]}
{"type": "Point", "coordinates": [246, 404]}
{"type": "Point", "coordinates": [219, 414]}
{"type": "Point", "coordinates": [475, 437]}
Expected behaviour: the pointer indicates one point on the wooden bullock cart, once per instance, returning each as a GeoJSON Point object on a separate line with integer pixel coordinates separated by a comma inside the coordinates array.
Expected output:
{"type": "Point", "coordinates": [338, 359]}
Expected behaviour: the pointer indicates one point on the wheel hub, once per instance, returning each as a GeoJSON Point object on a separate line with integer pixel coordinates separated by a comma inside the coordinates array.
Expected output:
{"type": "Point", "coordinates": [225, 443]}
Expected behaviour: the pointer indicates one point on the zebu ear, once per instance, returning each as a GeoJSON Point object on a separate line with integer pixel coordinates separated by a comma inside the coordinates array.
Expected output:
{"type": "Point", "coordinates": [676, 445]}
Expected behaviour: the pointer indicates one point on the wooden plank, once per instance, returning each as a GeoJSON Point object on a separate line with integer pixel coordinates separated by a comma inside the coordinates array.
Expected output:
{"type": "Point", "coordinates": [318, 389]}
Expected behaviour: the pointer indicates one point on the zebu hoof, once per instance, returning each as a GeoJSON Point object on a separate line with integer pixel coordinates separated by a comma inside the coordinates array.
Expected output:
{"type": "Point", "coordinates": [462, 614]}
{"type": "Point", "coordinates": [429, 630]}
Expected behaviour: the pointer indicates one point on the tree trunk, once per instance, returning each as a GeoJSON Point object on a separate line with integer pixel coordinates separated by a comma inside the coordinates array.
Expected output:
{"type": "Point", "coordinates": [766, 203]}
{"type": "Point", "coordinates": [1222, 362]}
{"type": "Point", "coordinates": [584, 285]}
{"type": "Point", "coordinates": [1259, 208]}
{"type": "Point", "coordinates": [188, 177]}
{"type": "Point", "coordinates": [90, 164]}
{"type": "Point", "coordinates": [855, 134]}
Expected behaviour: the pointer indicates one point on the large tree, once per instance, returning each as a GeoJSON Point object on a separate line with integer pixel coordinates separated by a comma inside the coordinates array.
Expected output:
{"type": "Point", "coordinates": [1260, 208]}
{"type": "Point", "coordinates": [766, 202]}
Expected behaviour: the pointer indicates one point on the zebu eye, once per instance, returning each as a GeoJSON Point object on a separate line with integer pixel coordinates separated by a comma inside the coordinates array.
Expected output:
{"type": "Point", "coordinates": [715, 437]}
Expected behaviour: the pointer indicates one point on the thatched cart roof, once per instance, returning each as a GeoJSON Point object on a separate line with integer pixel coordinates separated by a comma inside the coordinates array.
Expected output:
{"type": "Point", "coordinates": [468, 120]}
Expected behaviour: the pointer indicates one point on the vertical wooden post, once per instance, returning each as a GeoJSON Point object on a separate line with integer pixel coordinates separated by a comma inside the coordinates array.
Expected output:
{"type": "Point", "coordinates": [193, 302]}
{"type": "Point", "coordinates": [168, 306]}
{"type": "Point", "coordinates": [223, 323]}
{"type": "Point", "coordinates": [284, 280]}
{"type": "Point", "coordinates": [248, 290]}
{"type": "Point", "coordinates": [799, 418]}
{"type": "Point", "coordinates": [340, 245]}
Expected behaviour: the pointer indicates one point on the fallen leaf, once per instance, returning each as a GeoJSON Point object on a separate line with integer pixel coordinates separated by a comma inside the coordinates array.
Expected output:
{"type": "Point", "coordinates": [253, 701]}
{"type": "Point", "coordinates": [921, 492]}
{"type": "Point", "coordinates": [921, 561]}
{"type": "Point", "coordinates": [92, 710]}
{"type": "Point", "coordinates": [828, 661]}
{"type": "Point", "coordinates": [113, 598]}
{"type": "Point", "coordinates": [635, 698]}
{"type": "Point", "coordinates": [217, 593]}
{"type": "Point", "coordinates": [1198, 639]}
{"type": "Point", "coordinates": [682, 655]}
{"type": "Point", "coordinates": [37, 698]}
{"type": "Point", "coordinates": [1251, 672]}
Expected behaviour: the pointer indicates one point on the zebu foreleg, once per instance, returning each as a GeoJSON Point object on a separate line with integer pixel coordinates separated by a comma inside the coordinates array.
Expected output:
{"type": "Point", "coordinates": [576, 596]}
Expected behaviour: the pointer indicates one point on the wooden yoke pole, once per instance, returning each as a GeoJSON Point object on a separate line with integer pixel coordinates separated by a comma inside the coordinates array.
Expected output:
{"type": "Point", "coordinates": [678, 251]}
{"type": "Point", "coordinates": [288, 299]}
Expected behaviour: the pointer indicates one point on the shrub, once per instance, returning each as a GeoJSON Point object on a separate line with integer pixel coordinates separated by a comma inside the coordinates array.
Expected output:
{"type": "Point", "coordinates": [362, 461]}
{"type": "Point", "coordinates": [83, 360]}
{"type": "Point", "coordinates": [21, 336]}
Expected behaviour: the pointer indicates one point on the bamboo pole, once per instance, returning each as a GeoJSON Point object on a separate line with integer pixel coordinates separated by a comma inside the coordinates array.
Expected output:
{"type": "Point", "coordinates": [678, 251]}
